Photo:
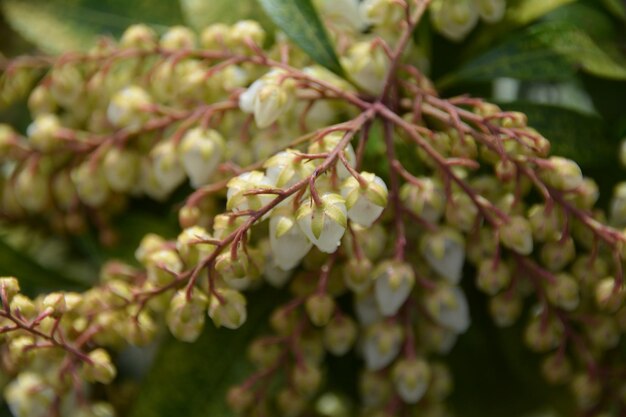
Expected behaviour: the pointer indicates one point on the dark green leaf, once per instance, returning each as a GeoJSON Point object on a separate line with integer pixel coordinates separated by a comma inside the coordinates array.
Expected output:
{"type": "Point", "coordinates": [592, 20]}
{"type": "Point", "coordinates": [300, 21]}
{"type": "Point", "coordinates": [617, 7]}
{"type": "Point", "coordinates": [548, 51]}
{"type": "Point", "coordinates": [518, 14]}
{"type": "Point", "coordinates": [191, 380]}
{"type": "Point", "coordinates": [201, 13]}
{"type": "Point", "coordinates": [59, 25]}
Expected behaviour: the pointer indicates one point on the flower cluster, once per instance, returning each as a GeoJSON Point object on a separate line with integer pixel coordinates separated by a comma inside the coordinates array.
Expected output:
{"type": "Point", "coordinates": [373, 251]}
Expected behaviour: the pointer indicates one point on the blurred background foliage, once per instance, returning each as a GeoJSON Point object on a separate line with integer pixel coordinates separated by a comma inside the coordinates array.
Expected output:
{"type": "Point", "coordinates": [562, 62]}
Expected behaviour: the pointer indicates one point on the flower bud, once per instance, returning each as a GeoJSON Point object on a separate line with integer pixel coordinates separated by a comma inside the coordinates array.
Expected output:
{"type": "Point", "coordinates": [562, 174]}
{"type": "Point", "coordinates": [556, 255]}
{"type": "Point", "coordinates": [327, 144]}
{"type": "Point", "coordinates": [90, 182]}
{"type": "Point", "coordinates": [240, 272]}
{"type": "Point", "coordinates": [10, 286]}
{"type": "Point", "coordinates": [24, 305]}
{"type": "Point", "coordinates": [545, 224]}
{"type": "Point", "coordinates": [54, 303]}
{"type": "Point", "coordinates": [609, 295]}
{"type": "Point", "coordinates": [586, 389]}
{"type": "Point", "coordinates": [215, 36]}
{"type": "Point", "coordinates": [191, 247]}
{"type": "Point", "coordinates": [286, 168]}
{"type": "Point", "coordinates": [168, 171]}
{"type": "Point", "coordinates": [121, 169]}
{"type": "Point", "coordinates": [364, 203]}
{"type": "Point", "coordinates": [245, 31]}
{"type": "Point", "coordinates": [357, 274]}
{"type": "Point", "coordinates": [505, 309]}
{"type": "Point", "coordinates": [149, 244]}
{"type": "Point", "coordinates": [544, 333]}
{"type": "Point", "coordinates": [556, 368]}
{"type": "Point", "coordinates": [31, 188]}
{"type": "Point", "coordinates": [306, 378]}
{"type": "Point", "coordinates": [139, 36]}
{"type": "Point", "coordinates": [339, 335]}
{"type": "Point", "coordinates": [240, 399]}
{"type": "Point", "coordinates": [426, 200]}
{"type": "Point", "coordinates": [461, 212]}
{"type": "Point", "coordinates": [284, 321]}
{"type": "Point", "coordinates": [440, 385]}
{"type": "Point", "coordinates": [100, 369]}
{"type": "Point", "coordinates": [367, 64]}
{"type": "Point", "coordinates": [493, 276]}
{"type": "Point", "coordinates": [588, 269]}
{"type": "Point", "coordinates": [201, 150]}
{"type": "Point", "coordinates": [345, 14]}
{"type": "Point", "coordinates": [237, 195]}
{"type": "Point", "coordinates": [375, 388]}
{"type": "Point", "coordinates": [288, 242]}
{"type": "Point", "coordinates": [448, 307]}
{"type": "Point", "coordinates": [162, 267]}
{"type": "Point", "coordinates": [411, 378]}
{"type": "Point", "coordinates": [178, 38]}
{"type": "Point", "coordinates": [444, 251]}
{"type": "Point", "coordinates": [381, 344]}
{"type": "Point", "coordinates": [319, 308]}
{"type": "Point", "coordinates": [228, 308]}
{"type": "Point", "coordinates": [603, 332]}
{"type": "Point", "coordinates": [324, 225]}
{"type": "Point", "coordinates": [185, 317]}
{"type": "Point", "coordinates": [563, 292]}
{"type": "Point", "coordinates": [29, 395]}
{"type": "Point", "coordinates": [140, 332]}
{"type": "Point", "coordinates": [42, 133]}
{"type": "Point", "coordinates": [382, 13]}
{"type": "Point", "coordinates": [454, 18]}
{"type": "Point", "coordinates": [290, 403]}
{"type": "Point", "coordinates": [491, 11]}
{"type": "Point", "coordinates": [393, 284]}
{"type": "Point", "coordinates": [517, 235]}
{"type": "Point", "coordinates": [127, 107]}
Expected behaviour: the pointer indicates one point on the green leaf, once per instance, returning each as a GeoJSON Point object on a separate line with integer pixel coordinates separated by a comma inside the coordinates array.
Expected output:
{"type": "Point", "coordinates": [519, 13]}
{"type": "Point", "coordinates": [191, 380]}
{"type": "Point", "coordinates": [617, 7]}
{"type": "Point", "coordinates": [201, 13]}
{"type": "Point", "coordinates": [547, 51]}
{"type": "Point", "coordinates": [56, 26]}
{"type": "Point", "coordinates": [300, 21]}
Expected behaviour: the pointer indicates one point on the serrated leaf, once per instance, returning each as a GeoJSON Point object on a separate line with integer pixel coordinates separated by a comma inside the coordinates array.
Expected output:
{"type": "Point", "coordinates": [201, 13]}
{"type": "Point", "coordinates": [548, 51]}
{"type": "Point", "coordinates": [300, 21]}
{"type": "Point", "coordinates": [56, 26]}
{"type": "Point", "coordinates": [191, 380]}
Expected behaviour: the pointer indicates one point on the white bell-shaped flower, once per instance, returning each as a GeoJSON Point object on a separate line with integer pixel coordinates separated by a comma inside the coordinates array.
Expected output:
{"type": "Point", "coordinates": [381, 345]}
{"type": "Point", "coordinates": [444, 251]}
{"type": "Point", "coordinates": [364, 203]}
{"type": "Point", "coordinates": [454, 18]}
{"type": "Point", "coordinates": [228, 308]}
{"type": "Point", "coordinates": [288, 242]}
{"type": "Point", "coordinates": [287, 168]}
{"type": "Point", "coordinates": [393, 284]}
{"type": "Point", "coordinates": [167, 169]}
{"type": "Point", "coordinates": [121, 169]}
{"type": "Point", "coordinates": [411, 378]}
{"type": "Point", "coordinates": [201, 150]}
{"type": "Point", "coordinates": [237, 196]}
{"type": "Point", "coordinates": [126, 108]}
{"type": "Point", "coordinates": [268, 97]}
{"type": "Point", "coordinates": [367, 64]}
{"type": "Point", "coordinates": [426, 200]}
{"type": "Point", "coordinates": [448, 306]}
{"type": "Point", "coordinates": [29, 395]}
{"type": "Point", "coordinates": [324, 225]}
{"type": "Point", "coordinates": [366, 308]}
{"type": "Point", "coordinates": [343, 13]}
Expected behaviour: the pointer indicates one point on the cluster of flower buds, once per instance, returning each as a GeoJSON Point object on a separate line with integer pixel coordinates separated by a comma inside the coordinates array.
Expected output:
{"type": "Point", "coordinates": [375, 254]}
